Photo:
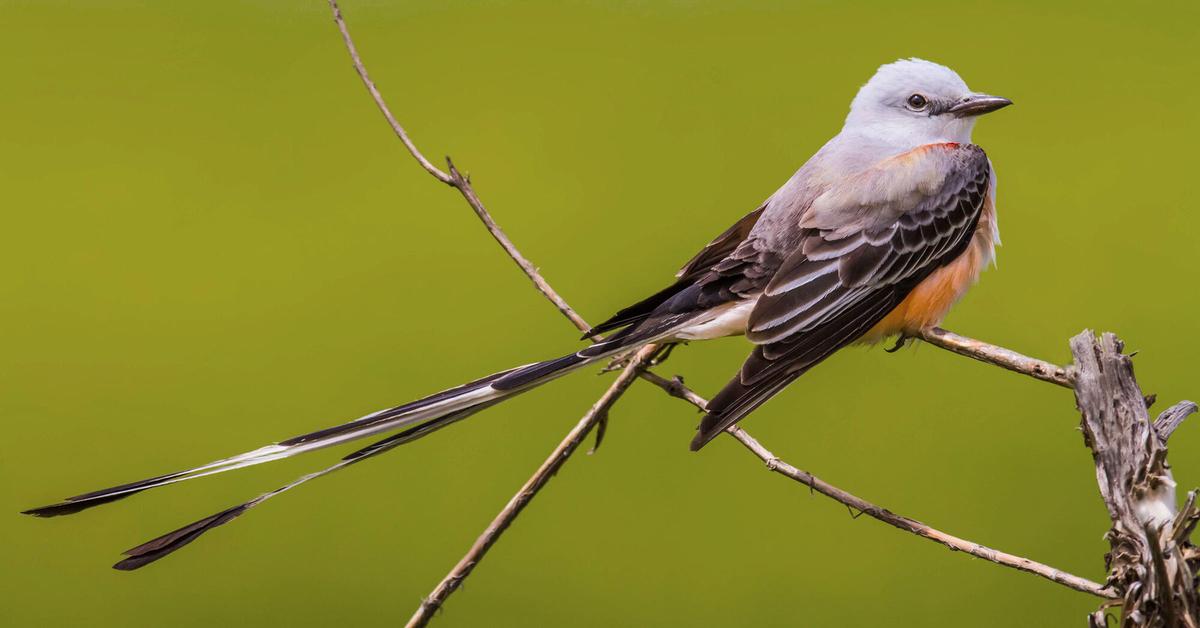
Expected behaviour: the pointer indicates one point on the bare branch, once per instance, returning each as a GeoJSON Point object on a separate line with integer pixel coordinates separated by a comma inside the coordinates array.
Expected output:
{"type": "Point", "coordinates": [774, 463]}
{"type": "Point", "coordinates": [675, 388]}
{"type": "Point", "coordinates": [378, 98]}
{"type": "Point", "coordinates": [464, 186]}
{"type": "Point", "coordinates": [914, 526]}
{"type": "Point", "coordinates": [454, 179]}
{"type": "Point", "coordinates": [529, 490]}
{"type": "Point", "coordinates": [998, 356]}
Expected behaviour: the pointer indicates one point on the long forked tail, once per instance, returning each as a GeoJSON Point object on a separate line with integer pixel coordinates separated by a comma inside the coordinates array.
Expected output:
{"type": "Point", "coordinates": [421, 417]}
{"type": "Point", "coordinates": [159, 547]}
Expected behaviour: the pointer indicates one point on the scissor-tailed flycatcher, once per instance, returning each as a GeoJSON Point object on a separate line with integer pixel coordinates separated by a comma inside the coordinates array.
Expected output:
{"type": "Point", "coordinates": [879, 233]}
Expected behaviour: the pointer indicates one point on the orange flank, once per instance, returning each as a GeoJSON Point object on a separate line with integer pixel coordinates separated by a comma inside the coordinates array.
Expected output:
{"type": "Point", "coordinates": [932, 299]}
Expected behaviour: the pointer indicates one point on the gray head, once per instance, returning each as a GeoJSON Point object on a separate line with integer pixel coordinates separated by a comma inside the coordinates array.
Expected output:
{"type": "Point", "coordinates": [915, 102]}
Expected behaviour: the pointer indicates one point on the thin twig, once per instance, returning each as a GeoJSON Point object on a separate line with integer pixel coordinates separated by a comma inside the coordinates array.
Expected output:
{"type": "Point", "coordinates": [914, 526]}
{"type": "Point", "coordinates": [676, 389]}
{"type": "Point", "coordinates": [998, 356]}
{"type": "Point", "coordinates": [549, 467]}
{"type": "Point", "coordinates": [464, 186]}
{"type": "Point", "coordinates": [378, 98]}
{"type": "Point", "coordinates": [455, 180]}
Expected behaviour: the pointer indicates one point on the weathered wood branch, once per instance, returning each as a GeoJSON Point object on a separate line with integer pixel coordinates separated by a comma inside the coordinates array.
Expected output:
{"type": "Point", "coordinates": [1151, 562]}
{"type": "Point", "coordinates": [1170, 419]}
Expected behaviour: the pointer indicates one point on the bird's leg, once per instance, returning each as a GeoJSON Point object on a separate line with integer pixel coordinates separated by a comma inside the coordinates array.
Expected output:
{"type": "Point", "coordinates": [619, 361]}
{"type": "Point", "coordinates": [901, 340]}
{"type": "Point", "coordinates": [662, 354]}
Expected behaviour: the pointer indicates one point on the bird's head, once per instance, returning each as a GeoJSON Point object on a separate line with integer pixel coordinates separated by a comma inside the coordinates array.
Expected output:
{"type": "Point", "coordinates": [918, 102]}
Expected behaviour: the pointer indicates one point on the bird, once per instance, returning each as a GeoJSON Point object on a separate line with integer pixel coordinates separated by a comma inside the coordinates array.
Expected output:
{"type": "Point", "coordinates": [877, 235]}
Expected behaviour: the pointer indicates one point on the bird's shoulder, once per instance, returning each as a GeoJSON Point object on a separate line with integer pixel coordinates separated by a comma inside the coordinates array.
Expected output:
{"type": "Point", "coordinates": [901, 183]}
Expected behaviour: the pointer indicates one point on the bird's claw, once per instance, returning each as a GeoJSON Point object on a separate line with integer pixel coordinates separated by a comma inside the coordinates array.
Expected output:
{"type": "Point", "coordinates": [662, 354]}
{"type": "Point", "coordinates": [615, 364]}
{"type": "Point", "coordinates": [901, 340]}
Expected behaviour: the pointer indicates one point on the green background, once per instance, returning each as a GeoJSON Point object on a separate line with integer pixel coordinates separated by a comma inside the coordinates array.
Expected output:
{"type": "Point", "coordinates": [212, 241]}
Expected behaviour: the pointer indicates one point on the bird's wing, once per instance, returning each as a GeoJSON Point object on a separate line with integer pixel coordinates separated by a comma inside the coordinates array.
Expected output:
{"type": "Point", "coordinates": [700, 265]}
{"type": "Point", "coordinates": [721, 246]}
{"type": "Point", "coordinates": [863, 246]}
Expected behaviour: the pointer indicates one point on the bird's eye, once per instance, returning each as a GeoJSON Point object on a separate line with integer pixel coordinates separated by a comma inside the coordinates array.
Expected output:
{"type": "Point", "coordinates": [917, 102]}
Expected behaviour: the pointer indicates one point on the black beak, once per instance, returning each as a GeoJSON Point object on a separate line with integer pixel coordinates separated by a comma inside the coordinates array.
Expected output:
{"type": "Point", "coordinates": [977, 105]}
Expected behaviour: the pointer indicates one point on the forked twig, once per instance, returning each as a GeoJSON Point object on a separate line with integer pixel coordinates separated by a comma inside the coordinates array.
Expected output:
{"type": "Point", "coordinates": [548, 468]}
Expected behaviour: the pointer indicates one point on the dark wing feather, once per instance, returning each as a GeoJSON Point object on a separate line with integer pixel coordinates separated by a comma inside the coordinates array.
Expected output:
{"type": "Point", "coordinates": [741, 275]}
{"type": "Point", "coordinates": [696, 268]}
{"type": "Point", "coordinates": [837, 285]}
{"type": "Point", "coordinates": [720, 247]}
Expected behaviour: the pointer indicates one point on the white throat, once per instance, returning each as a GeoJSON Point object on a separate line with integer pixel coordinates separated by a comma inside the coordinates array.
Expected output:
{"type": "Point", "coordinates": [910, 133]}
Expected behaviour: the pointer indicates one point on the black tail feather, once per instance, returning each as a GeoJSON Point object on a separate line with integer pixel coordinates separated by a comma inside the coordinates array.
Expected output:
{"type": "Point", "coordinates": [78, 503]}
{"type": "Point", "coordinates": [72, 505]}
{"type": "Point", "coordinates": [637, 312]}
{"type": "Point", "coordinates": [416, 420]}
{"type": "Point", "coordinates": [168, 543]}
{"type": "Point", "coordinates": [157, 548]}
{"type": "Point", "coordinates": [69, 507]}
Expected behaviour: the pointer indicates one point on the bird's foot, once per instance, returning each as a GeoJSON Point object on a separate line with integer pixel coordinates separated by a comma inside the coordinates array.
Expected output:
{"type": "Point", "coordinates": [620, 361]}
{"type": "Point", "coordinates": [615, 364]}
{"type": "Point", "coordinates": [662, 354]}
{"type": "Point", "coordinates": [901, 340]}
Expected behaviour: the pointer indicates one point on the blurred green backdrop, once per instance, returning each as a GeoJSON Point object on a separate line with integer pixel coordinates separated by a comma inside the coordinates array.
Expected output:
{"type": "Point", "coordinates": [211, 241]}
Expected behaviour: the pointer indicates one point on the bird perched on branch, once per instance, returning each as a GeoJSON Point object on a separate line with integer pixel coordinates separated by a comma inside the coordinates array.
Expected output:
{"type": "Point", "coordinates": [878, 234]}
